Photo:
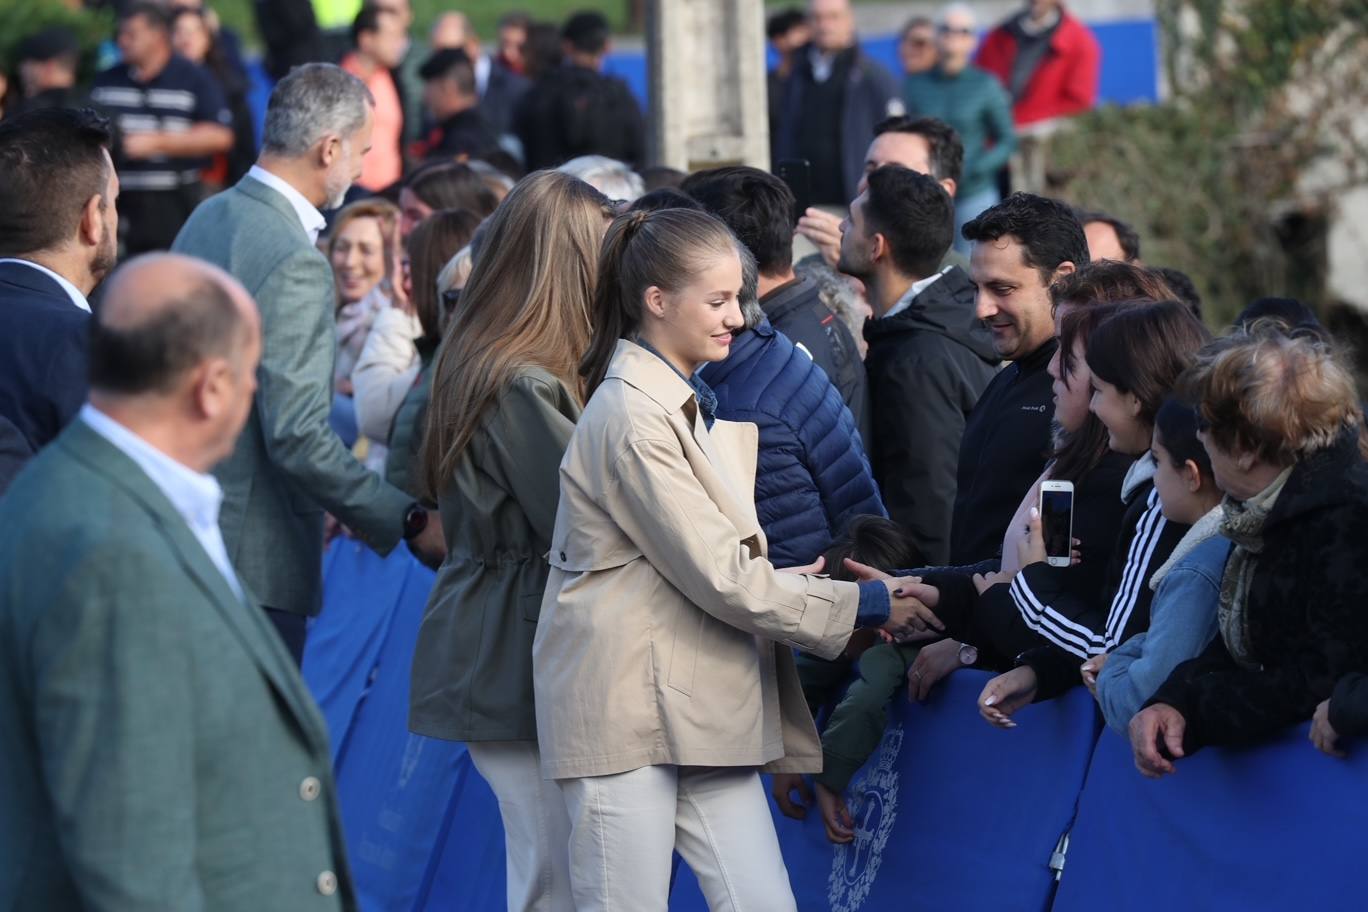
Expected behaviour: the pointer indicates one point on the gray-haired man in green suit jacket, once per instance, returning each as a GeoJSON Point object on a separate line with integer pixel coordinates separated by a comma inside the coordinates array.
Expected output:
{"type": "Point", "coordinates": [289, 466]}
{"type": "Point", "coordinates": [158, 748]}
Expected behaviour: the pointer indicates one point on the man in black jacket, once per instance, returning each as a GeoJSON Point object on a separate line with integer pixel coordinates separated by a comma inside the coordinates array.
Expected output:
{"type": "Point", "coordinates": [1021, 247]}
{"type": "Point", "coordinates": [576, 110]}
{"type": "Point", "coordinates": [451, 98]}
{"type": "Point", "coordinates": [58, 225]}
{"type": "Point", "coordinates": [758, 206]}
{"type": "Point", "coordinates": [929, 357]}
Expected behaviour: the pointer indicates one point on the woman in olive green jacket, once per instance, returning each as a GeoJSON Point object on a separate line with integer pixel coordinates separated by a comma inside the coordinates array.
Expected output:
{"type": "Point", "coordinates": [505, 399]}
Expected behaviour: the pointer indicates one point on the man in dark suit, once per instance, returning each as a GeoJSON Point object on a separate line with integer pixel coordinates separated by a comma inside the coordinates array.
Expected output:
{"type": "Point", "coordinates": [58, 230]}
{"type": "Point", "coordinates": [160, 749]}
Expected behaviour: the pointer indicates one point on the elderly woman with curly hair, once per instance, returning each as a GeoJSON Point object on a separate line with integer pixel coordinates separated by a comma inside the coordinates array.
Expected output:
{"type": "Point", "coordinates": [1283, 427]}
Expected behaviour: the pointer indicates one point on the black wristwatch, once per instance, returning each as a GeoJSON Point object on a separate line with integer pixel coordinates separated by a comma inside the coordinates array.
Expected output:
{"type": "Point", "coordinates": [415, 521]}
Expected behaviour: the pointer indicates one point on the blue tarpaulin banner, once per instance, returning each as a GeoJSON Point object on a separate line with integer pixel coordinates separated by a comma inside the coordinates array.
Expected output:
{"type": "Point", "coordinates": [951, 813]}
{"type": "Point", "coordinates": [1278, 826]}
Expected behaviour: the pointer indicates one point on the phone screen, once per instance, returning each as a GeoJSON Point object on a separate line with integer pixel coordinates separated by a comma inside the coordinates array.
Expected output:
{"type": "Point", "coordinates": [1056, 521]}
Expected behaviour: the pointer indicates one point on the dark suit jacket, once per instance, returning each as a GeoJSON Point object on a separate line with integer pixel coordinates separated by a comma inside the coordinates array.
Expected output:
{"type": "Point", "coordinates": [43, 341]}
{"type": "Point", "coordinates": [501, 97]}
{"type": "Point", "coordinates": [160, 750]}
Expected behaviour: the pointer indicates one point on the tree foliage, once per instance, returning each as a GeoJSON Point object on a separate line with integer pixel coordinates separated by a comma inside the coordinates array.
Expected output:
{"type": "Point", "coordinates": [1233, 177]}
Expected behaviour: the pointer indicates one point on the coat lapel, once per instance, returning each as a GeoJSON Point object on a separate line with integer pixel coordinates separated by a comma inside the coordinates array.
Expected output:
{"type": "Point", "coordinates": [244, 617]}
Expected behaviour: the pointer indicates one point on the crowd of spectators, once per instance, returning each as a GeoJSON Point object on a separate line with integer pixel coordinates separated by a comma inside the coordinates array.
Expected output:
{"type": "Point", "coordinates": [685, 487]}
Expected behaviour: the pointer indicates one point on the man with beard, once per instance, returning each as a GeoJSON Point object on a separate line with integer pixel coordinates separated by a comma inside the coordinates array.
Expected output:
{"type": "Point", "coordinates": [58, 225]}
{"type": "Point", "coordinates": [289, 466]}
{"type": "Point", "coordinates": [1022, 246]}
{"type": "Point", "coordinates": [929, 356]}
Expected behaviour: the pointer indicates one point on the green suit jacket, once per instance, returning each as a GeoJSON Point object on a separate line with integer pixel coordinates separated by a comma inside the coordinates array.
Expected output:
{"type": "Point", "coordinates": [288, 466]}
{"type": "Point", "coordinates": [160, 749]}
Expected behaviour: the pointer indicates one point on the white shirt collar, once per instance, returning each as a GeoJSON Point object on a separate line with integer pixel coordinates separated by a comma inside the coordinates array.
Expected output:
{"type": "Point", "coordinates": [482, 67]}
{"type": "Point", "coordinates": [72, 291]}
{"type": "Point", "coordinates": [309, 217]}
{"type": "Point", "coordinates": [917, 288]}
{"type": "Point", "coordinates": [195, 495]}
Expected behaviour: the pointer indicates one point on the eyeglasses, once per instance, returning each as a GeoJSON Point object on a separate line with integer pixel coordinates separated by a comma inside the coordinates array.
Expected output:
{"type": "Point", "coordinates": [948, 30]}
{"type": "Point", "coordinates": [450, 298]}
{"type": "Point", "coordinates": [918, 42]}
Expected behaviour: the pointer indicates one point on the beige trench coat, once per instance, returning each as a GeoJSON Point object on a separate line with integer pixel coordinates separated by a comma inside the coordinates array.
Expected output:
{"type": "Point", "coordinates": [658, 630]}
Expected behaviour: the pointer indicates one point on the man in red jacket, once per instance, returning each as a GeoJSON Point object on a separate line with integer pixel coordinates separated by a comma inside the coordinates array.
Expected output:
{"type": "Point", "coordinates": [1047, 60]}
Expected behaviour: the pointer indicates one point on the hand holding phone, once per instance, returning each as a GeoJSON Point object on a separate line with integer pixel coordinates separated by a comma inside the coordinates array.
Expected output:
{"type": "Point", "coordinates": [1056, 521]}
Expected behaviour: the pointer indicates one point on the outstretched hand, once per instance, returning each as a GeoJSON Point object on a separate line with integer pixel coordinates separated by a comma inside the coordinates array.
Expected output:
{"type": "Point", "coordinates": [1156, 735]}
{"type": "Point", "coordinates": [824, 231]}
{"type": "Point", "coordinates": [840, 828]}
{"type": "Point", "coordinates": [785, 784]}
{"type": "Point", "coordinates": [911, 614]}
{"type": "Point", "coordinates": [1005, 694]}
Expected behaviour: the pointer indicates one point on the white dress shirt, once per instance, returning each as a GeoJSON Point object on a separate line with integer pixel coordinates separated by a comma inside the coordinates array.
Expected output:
{"type": "Point", "coordinates": [72, 291]}
{"type": "Point", "coordinates": [195, 496]}
{"type": "Point", "coordinates": [917, 288]}
{"type": "Point", "coordinates": [309, 216]}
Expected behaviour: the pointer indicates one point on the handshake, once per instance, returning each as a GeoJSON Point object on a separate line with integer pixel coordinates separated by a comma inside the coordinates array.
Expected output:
{"type": "Point", "coordinates": [911, 604]}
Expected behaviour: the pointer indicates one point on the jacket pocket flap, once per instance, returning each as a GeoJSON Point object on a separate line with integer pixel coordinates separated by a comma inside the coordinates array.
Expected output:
{"type": "Point", "coordinates": [582, 554]}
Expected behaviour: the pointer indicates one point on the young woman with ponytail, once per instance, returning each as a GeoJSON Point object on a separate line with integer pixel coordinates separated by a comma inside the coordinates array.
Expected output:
{"type": "Point", "coordinates": [663, 661]}
{"type": "Point", "coordinates": [505, 397]}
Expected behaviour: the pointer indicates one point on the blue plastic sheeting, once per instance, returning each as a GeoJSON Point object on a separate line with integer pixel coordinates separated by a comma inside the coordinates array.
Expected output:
{"type": "Point", "coordinates": [1280, 826]}
{"type": "Point", "coordinates": [423, 829]}
{"type": "Point", "coordinates": [951, 813]}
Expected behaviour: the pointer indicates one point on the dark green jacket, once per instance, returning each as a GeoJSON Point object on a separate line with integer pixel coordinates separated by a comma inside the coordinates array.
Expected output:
{"type": "Point", "coordinates": [403, 462]}
{"type": "Point", "coordinates": [472, 668]}
{"type": "Point", "coordinates": [160, 750]}
{"type": "Point", "coordinates": [975, 104]}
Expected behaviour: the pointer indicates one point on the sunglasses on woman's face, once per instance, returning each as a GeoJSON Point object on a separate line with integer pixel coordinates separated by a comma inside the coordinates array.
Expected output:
{"type": "Point", "coordinates": [450, 298]}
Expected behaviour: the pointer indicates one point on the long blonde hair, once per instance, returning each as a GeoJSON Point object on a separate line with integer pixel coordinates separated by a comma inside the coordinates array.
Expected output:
{"type": "Point", "coordinates": [527, 303]}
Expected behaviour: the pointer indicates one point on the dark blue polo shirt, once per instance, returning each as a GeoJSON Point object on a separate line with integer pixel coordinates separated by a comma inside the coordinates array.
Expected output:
{"type": "Point", "coordinates": [180, 96]}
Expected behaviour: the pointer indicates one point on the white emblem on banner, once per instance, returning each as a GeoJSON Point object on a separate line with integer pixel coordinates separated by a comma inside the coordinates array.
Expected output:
{"type": "Point", "coordinates": [873, 807]}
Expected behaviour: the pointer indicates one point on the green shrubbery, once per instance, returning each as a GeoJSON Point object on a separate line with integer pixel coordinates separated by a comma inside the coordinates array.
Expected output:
{"type": "Point", "coordinates": [21, 18]}
{"type": "Point", "coordinates": [1263, 95]}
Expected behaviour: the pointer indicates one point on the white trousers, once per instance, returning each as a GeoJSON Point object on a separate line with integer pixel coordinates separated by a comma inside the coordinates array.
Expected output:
{"type": "Point", "coordinates": [625, 828]}
{"type": "Point", "coordinates": [536, 828]}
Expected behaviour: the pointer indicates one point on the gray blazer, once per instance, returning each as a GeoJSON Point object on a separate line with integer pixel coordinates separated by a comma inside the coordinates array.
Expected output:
{"type": "Point", "coordinates": [160, 751]}
{"type": "Point", "coordinates": [288, 466]}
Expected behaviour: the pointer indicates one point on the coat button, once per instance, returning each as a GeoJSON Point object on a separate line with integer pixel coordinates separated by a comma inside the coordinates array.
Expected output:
{"type": "Point", "coordinates": [310, 788]}
{"type": "Point", "coordinates": [563, 558]}
{"type": "Point", "coordinates": [327, 883]}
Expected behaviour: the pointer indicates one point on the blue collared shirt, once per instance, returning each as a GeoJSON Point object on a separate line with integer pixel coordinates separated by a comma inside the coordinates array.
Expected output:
{"type": "Point", "coordinates": [707, 399]}
{"type": "Point", "coordinates": [196, 496]}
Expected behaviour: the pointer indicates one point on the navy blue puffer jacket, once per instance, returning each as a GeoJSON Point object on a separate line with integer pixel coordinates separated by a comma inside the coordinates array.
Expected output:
{"type": "Point", "coordinates": [813, 475]}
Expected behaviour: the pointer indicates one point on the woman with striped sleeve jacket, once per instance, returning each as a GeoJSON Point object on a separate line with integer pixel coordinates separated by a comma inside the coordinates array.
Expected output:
{"type": "Point", "coordinates": [1049, 620]}
{"type": "Point", "coordinates": [1136, 355]}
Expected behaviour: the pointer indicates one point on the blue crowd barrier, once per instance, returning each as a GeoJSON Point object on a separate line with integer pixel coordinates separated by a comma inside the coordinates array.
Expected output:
{"type": "Point", "coordinates": [422, 827]}
{"type": "Point", "coordinates": [1278, 826]}
{"type": "Point", "coordinates": [950, 813]}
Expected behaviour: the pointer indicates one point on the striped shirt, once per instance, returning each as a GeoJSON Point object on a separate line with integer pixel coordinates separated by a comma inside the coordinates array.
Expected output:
{"type": "Point", "coordinates": [180, 96]}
